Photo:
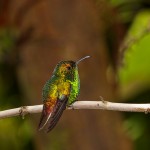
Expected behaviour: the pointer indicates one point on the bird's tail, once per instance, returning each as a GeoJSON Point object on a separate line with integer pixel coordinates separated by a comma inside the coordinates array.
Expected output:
{"type": "Point", "coordinates": [56, 114]}
{"type": "Point", "coordinates": [50, 117]}
{"type": "Point", "coordinates": [45, 116]}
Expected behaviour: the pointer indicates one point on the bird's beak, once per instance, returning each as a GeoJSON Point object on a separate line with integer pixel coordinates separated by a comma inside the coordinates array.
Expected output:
{"type": "Point", "coordinates": [77, 62]}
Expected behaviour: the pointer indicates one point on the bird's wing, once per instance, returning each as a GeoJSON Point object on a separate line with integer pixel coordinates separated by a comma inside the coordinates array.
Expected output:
{"type": "Point", "coordinates": [51, 115]}
{"type": "Point", "coordinates": [48, 107]}
{"type": "Point", "coordinates": [57, 112]}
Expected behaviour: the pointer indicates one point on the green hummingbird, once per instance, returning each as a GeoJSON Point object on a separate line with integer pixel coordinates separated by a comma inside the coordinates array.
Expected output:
{"type": "Point", "coordinates": [60, 90]}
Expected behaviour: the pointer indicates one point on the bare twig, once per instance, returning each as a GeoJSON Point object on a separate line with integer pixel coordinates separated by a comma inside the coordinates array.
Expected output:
{"type": "Point", "coordinates": [104, 105]}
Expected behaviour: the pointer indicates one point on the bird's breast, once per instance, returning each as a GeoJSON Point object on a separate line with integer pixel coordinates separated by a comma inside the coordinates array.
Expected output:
{"type": "Point", "coordinates": [64, 88]}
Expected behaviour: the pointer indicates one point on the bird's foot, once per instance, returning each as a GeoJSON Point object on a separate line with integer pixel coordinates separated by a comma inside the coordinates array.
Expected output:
{"type": "Point", "coordinates": [70, 106]}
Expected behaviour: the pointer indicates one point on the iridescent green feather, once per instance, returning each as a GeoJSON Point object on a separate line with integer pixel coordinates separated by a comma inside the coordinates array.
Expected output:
{"type": "Point", "coordinates": [49, 85]}
{"type": "Point", "coordinates": [73, 80]}
{"type": "Point", "coordinates": [75, 87]}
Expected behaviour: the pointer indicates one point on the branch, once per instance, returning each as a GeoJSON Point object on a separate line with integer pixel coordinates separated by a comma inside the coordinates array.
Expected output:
{"type": "Point", "coordinates": [104, 105]}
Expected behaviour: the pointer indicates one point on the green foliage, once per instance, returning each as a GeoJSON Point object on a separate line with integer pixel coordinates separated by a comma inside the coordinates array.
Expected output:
{"type": "Point", "coordinates": [135, 71]}
{"type": "Point", "coordinates": [127, 8]}
{"type": "Point", "coordinates": [15, 133]}
{"type": "Point", "coordinates": [19, 134]}
{"type": "Point", "coordinates": [134, 78]}
{"type": "Point", "coordinates": [133, 126]}
{"type": "Point", "coordinates": [7, 41]}
{"type": "Point", "coordinates": [137, 128]}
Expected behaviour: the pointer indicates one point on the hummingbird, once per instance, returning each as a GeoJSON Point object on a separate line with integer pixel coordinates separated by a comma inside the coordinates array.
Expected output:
{"type": "Point", "coordinates": [61, 90]}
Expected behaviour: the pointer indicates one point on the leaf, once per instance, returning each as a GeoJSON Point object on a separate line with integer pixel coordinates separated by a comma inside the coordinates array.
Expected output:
{"type": "Point", "coordinates": [134, 75]}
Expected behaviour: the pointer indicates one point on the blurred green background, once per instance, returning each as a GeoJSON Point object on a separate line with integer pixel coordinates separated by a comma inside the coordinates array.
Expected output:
{"type": "Point", "coordinates": [35, 35]}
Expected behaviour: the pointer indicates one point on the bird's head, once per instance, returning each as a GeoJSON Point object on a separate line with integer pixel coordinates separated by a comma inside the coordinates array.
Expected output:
{"type": "Point", "coordinates": [67, 68]}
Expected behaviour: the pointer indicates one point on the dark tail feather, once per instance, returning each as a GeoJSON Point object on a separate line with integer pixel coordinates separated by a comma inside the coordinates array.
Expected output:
{"type": "Point", "coordinates": [45, 116]}
{"type": "Point", "coordinates": [56, 114]}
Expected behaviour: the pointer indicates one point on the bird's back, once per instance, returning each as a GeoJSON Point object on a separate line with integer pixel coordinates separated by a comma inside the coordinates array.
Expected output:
{"type": "Point", "coordinates": [50, 88]}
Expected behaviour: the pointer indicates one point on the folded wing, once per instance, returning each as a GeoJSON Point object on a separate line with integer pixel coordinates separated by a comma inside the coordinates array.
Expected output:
{"type": "Point", "coordinates": [51, 113]}
{"type": "Point", "coordinates": [57, 112]}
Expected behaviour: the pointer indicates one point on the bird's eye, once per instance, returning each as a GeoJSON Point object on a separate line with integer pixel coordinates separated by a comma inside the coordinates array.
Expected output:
{"type": "Point", "coordinates": [68, 67]}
